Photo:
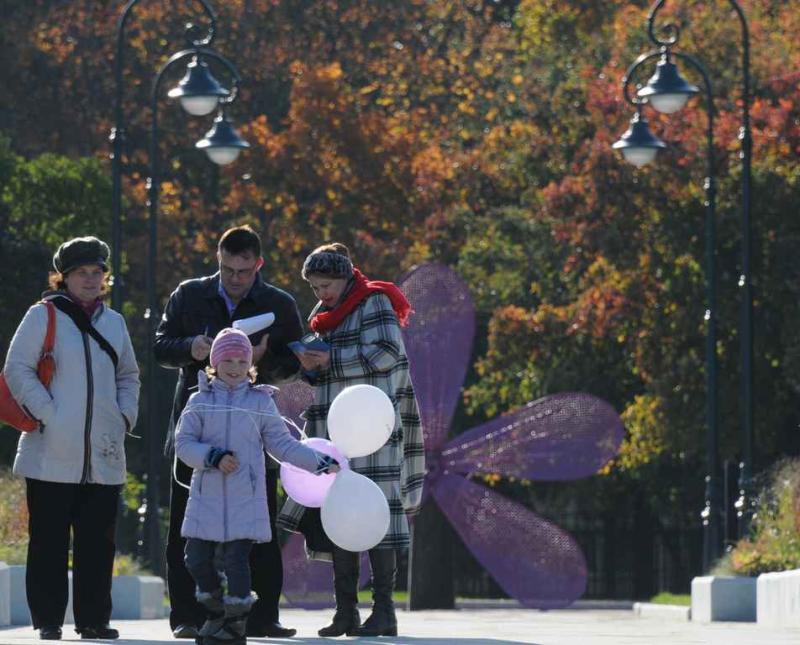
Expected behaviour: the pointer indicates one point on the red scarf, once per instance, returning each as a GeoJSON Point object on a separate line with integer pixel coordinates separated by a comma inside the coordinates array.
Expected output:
{"type": "Point", "coordinates": [362, 289]}
{"type": "Point", "coordinates": [88, 307]}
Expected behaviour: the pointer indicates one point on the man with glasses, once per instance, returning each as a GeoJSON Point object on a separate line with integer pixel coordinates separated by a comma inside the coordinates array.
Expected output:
{"type": "Point", "coordinates": [197, 310]}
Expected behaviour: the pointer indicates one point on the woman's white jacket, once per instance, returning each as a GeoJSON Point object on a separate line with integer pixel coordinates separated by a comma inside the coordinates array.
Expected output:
{"type": "Point", "coordinates": [89, 405]}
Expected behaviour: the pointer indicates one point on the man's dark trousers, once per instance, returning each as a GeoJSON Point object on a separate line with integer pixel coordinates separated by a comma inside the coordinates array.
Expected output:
{"type": "Point", "coordinates": [266, 567]}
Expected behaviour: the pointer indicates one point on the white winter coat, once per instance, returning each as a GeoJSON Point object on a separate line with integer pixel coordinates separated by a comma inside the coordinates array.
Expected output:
{"type": "Point", "coordinates": [89, 404]}
{"type": "Point", "coordinates": [244, 420]}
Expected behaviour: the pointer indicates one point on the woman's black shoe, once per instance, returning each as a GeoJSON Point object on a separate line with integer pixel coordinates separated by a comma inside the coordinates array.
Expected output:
{"type": "Point", "coordinates": [50, 633]}
{"type": "Point", "coordinates": [100, 632]}
{"type": "Point", "coordinates": [270, 630]}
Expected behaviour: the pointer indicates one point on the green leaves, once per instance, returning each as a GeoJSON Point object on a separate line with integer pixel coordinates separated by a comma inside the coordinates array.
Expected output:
{"type": "Point", "coordinates": [51, 198]}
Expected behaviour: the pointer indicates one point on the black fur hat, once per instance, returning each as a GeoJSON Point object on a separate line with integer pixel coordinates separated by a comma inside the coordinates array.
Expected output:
{"type": "Point", "coordinates": [79, 251]}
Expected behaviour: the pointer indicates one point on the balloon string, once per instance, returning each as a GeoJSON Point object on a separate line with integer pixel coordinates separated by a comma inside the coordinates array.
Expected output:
{"type": "Point", "coordinates": [208, 407]}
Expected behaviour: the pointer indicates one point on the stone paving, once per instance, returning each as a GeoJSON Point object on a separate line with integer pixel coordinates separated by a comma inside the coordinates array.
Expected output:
{"type": "Point", "coordinates": [480, 627]}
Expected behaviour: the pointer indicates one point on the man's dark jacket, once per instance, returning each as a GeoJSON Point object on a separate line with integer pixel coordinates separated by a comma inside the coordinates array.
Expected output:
{"type": "Point", "coordinates": [196, 308]}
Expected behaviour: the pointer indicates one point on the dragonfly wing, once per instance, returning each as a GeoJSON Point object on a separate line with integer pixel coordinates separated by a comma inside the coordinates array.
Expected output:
{"type": "Point", "coordinates": [292, 400]}
{"type": "Point", "coordinates": [559, 437]}
{"type": "Point", "coordinates": [533, 560]}
{"type": "Point", "coordinates": [438, 341]}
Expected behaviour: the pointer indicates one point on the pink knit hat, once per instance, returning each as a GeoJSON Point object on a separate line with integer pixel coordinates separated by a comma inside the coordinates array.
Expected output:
{"type": "Point", "coordinates": [230, 343]}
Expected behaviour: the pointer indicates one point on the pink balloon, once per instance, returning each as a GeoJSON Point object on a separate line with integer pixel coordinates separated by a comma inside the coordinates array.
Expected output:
{"type": "Point", "coordinates": [307, 488]}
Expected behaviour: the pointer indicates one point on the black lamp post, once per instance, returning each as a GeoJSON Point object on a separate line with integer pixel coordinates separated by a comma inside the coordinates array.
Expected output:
{"type": "Point", "coordinates": [669, 91]}
{"type": "Point", "coordinates": [199, 94]}
{"type": "Point", "coordinates": [203, 93]}
{"type": "Point", "coordinates": [153, 313]}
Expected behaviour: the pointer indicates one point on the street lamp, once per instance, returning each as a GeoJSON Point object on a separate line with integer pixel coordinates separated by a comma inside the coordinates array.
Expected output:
{"type": "Point", "coordinates": [153, 313]}
{"type": "Point", "coordinates": [198, 90]}
{"type": "Point", "coordinates": [221, 143]}
{"type": "Point", "coordinates": [667, 90]}
{"type": "Point", "coordinates": [638, 145]}
{"type": "Point", "coordinates": [199, 94]}
{"type": "Point", "coordinates": [744, 504]}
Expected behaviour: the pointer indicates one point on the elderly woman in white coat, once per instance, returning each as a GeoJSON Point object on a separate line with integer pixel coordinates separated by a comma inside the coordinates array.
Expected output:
{"type": "Point", "coordinates": [74, 464]}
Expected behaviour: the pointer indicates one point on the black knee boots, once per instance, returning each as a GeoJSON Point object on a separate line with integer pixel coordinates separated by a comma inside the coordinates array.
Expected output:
{"type": "Point", "coordinates": [232, 629]}
{"type": "Point", "coordinates": [215, 613]}
{"type": "Point", "coordinates": [382, 621]}
{"type": "Point", "coordinates": [345, 585]}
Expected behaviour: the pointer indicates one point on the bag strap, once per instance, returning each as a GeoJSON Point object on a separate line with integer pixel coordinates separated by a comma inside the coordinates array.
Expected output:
{"type": "Point", "coordinates": [84, 324]}
{"type": "Point", "coordinates": [104, 345]}
{"type": "Point", "coordinates": [50, 336]}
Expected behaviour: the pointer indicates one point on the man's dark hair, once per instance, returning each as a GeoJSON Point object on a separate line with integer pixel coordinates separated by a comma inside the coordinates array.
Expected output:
{"type": "Point", "coordinates": [240, 240]}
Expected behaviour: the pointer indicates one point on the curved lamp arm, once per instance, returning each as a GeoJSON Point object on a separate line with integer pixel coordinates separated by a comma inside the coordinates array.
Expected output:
{"type": "Point", "coordinates": [629, 75]}
{"type": "Point", "coordinates": [670, 30]}
{"type": "Point", "coordinates": [671, 33]}
{"type": "Point", "coordinates": [192, 34]}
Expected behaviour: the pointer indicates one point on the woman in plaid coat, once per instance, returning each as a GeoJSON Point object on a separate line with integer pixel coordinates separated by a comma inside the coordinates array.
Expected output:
{"type": "Point", "coordinates": [360, 320]}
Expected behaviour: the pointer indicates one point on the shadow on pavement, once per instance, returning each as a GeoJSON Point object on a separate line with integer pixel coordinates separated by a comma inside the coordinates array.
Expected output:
{"type": "Point", "coordinates": [396, 640]}
{"type": "Point", "coordinates": [69, 636]}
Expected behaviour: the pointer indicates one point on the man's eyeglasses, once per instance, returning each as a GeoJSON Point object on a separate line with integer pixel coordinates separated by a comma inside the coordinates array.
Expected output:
{"type": "Point", "coordinates": [229, 273]}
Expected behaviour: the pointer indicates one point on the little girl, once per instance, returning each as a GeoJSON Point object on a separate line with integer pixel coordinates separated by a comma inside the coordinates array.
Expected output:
{"type": "Point", "coordinates": [222, 435]}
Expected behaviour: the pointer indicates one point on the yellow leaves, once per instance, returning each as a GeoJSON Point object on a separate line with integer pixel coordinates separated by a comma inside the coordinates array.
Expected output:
{"type": "Point", "coordinates": [511, 97]}
{"type": "Point", "coordinates": [466, 107]}
{"type": "Point", "coordinates": [517, 79]}
{"type": "Point", "coordinates": [419, 252]}
{"type": "Point", "coordinates": [492, 479]}
{"type": "Point", "coordinates": [483, 70]}
{"type": "Point", "coordinates": [645, 423]}
{"type": "Point", "coordinates": [774, 541]}
{"type": "Point", "coordinates": [331, 72]}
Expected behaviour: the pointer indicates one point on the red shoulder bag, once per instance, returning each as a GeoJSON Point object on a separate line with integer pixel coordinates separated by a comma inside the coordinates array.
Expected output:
{"type": "Point", "coordinates": [11, 412]}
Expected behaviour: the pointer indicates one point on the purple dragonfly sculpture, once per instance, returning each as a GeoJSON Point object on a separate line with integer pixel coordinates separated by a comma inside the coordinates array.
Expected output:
{"type": "Point", "coordinates": [556, 438]}
{"type": "Point", "coordinates": [559, 437]}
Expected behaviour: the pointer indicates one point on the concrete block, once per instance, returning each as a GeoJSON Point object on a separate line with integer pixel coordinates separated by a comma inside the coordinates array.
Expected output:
{"type": "Point", "coordinates": [667, 612]}
{"type": "Point", "coordinates": [135, 597]}
{"type": "Point", "coordinates": [721, 598]}
{"type": "Point", "coordinates": [20, 614]}
{"type": "Point", "coordinates": [779, 599]}
{"type": "Point", "coordinates": [5, 594]}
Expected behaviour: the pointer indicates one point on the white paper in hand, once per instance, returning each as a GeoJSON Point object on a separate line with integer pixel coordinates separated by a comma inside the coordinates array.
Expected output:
{"type": "Point", "coordinates": [254, 324]}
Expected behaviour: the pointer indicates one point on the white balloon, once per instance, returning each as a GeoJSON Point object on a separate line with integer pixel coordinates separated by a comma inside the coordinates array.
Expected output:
{"type": "Point", "coordinates": [355, 513]}
{"type": "Point", "coordinates": [360, 420]}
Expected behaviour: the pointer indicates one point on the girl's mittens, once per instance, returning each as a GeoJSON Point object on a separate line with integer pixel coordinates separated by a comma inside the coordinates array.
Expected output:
{"type": "Point", "coordinates": [324, 463]}
{"type": "Point", "coordinates": [215, 455]}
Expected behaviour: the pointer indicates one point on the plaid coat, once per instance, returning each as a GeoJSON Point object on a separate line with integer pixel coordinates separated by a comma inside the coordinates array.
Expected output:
{"type": "Point", "coordinates": [367, 347]}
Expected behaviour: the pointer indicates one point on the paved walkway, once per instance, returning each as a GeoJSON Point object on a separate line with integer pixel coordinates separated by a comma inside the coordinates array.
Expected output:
{"type": "Point", "coordinates": [481, 627]}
